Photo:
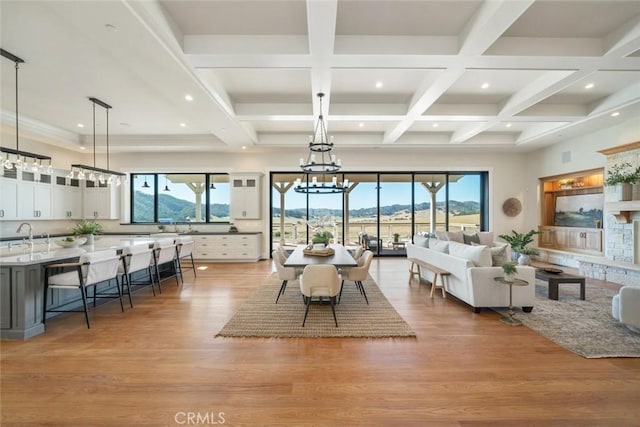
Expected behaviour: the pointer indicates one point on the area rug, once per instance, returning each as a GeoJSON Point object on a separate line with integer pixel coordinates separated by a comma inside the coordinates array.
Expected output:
{"type": "Point", "coordinates": [260, 316]}
{"type": "Point", "coordinates": [584, 327]}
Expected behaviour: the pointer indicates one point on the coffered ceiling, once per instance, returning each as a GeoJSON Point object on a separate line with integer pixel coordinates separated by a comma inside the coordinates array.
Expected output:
{"type": "Point", "coordinates": [453, 74]}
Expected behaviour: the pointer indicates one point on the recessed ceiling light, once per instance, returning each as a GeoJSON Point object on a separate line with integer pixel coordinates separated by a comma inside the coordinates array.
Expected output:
{"type": "Point", "coordinates": [615, 114]}
{"type": "Point", "coordinates": [80, 125]}
{"type": "Point", "coordinates": [361, 124]}
{"type": "Point", "coordinates": [485, 85]}
{"type": "Point", "coordinates": [379, 85]}
{"type": "Point", "coordinates": [183, 125]}
{"type": "Point", "coordinates": [244, 147]}
{"type": "Point", "coordinates": [188, 97]}
{"type": "Point", "coordinates": [111, 27]}
{"type": "Point", "coordinates": [82, 147]}
{"type": "Point", "coordinates": [435, 125]}
{"type": "Point", "coordinates": [589, 86]}
{"type": "Point", "coordinates": [508, 125]}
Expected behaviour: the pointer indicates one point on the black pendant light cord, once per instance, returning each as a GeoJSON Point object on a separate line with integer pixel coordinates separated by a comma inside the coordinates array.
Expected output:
{"type": "Point", "coordinates": [17, 139]}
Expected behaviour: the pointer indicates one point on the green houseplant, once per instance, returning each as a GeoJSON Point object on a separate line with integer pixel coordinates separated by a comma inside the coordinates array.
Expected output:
{"type": "Point", "coordinates": [509, 271]}
{"type": "Point", "coordinates": [87, 228]}
{"type": "Point", "coordinates": [519, 242]}
{"type": "Point", "coordinates": [622, 176]}
{"type": "Point", "coordinates": [396, 237]}
{"type": "Point", "coordinates": [322, 237]}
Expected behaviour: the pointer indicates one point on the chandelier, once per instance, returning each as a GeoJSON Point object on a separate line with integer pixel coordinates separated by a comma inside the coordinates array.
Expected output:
{"type": "Point", "coordinates": [104, 175]}
{"type": "Point", "coordinates": [321, 165]}
{"type": "Point", "coordinates": [23, 160]}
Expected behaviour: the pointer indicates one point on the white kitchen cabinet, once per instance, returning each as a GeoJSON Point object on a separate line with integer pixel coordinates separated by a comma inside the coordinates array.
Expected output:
{"type": "Point", "coordinates": [8, 198]}
{"type": "Point", "coordinates": [245, 196]}
{"type": "Point", "coordinates": [67, 199]}
{"type": "Point", "coordinates": [101, 201]}
{"type": "Point", "coordinates": [227, 247]}
{"type": "Point", "coordinates": [34, 198]}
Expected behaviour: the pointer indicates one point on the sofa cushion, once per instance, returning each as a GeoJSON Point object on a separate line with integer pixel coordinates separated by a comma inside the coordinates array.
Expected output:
{"type": "Point", "coordinates": [419, 240]}
{"type": "Point", "coordinates": [498, 255]}
{"type": "Point", "coordinates": [471, 238]}
{"type": "Point", "coordinates": [442, 235]}
{"type": "Point", "coordinates": [480, 255]}
{"type": "Point", "coordinates": [486, 238]}
{"type": "Point", "coordinates": [439, 246]}
{"type": "Point", "coordinates": [455, 236]}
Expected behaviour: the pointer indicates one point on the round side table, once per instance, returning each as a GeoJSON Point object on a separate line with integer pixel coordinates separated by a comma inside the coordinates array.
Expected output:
{"type": "Point", "coordinates": [510, 319]}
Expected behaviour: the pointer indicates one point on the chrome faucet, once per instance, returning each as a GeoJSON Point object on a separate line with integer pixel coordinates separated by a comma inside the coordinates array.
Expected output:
{"type": "Point", "coordinates": [19, 230]}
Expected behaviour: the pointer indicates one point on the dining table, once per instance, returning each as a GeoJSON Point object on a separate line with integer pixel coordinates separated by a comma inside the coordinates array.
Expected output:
{"type": "Point", "coordinates": [340, 258]}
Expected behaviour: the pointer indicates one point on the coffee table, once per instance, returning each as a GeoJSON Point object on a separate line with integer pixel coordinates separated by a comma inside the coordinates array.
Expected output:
{"type": "Point", "coordinates": [554, 279]}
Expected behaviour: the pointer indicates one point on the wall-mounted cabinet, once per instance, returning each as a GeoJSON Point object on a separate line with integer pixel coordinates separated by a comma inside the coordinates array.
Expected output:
{"type": "Point", "coordinates": [67, 198]}
{"type": "Point", "coordinates": [101, 201]}
{"type": "Point", "coordinates": [572, 206]}
{"type": "Point", "coordinates": [8, 198]}
{"type": "Point", "coordinates": [245, 196]}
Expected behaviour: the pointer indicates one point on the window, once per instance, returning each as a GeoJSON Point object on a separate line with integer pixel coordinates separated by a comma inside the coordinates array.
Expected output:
{"type": "Point", "coordinates": [180, 198]}
{"type": "Point", "coordinates": [387, 207]}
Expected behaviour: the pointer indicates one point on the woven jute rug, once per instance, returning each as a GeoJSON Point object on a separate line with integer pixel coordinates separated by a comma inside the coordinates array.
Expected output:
{"type": "Point", "coordinates": [260, 316]}
{"type": "Point", "coordinates": [583, 327]}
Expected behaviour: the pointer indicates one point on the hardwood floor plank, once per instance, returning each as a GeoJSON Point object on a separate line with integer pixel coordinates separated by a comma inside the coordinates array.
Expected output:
{"type": "Point", "coordinates": [160, 360]}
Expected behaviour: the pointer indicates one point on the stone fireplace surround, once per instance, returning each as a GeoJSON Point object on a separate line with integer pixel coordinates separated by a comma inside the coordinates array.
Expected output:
{"type": "Point", "coordinates": [621, 263]}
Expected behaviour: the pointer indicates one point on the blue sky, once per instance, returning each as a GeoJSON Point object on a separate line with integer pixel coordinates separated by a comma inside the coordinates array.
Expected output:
{"type": "Point", "coordinates": [364, 196]}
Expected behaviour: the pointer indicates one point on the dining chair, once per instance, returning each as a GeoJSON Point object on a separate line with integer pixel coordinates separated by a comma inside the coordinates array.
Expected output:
{"type": "Point", "coordinates": [320, 280]}
{"type": "Point", "coordinates": [184, 248]}
{"type": "Point", "coordinates": [284, 273]}
{"type": "Point", "coordinates": [164, 252]}
{"type": "Point", "coordinates": [358, 274]}
{"type": "Point", "coordinates": [135, 258]}
{"type": "Point", "coordinates": [91, 269]}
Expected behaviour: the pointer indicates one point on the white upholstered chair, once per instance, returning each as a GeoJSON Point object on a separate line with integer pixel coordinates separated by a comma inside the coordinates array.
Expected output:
{"type": "Point", "coordinates": [284, 273]}
{"type": "Point", "coordinates": [625, 307]}
{"type": "Point", "coordinates": [90, 270]}
{"type": "Point", "coordinates": [185, 247]}
{"type": "Point", "coordinates": [164, 252]}
{"type": "Point", "coordinates": [359, 273]}
{"type": "Point", "coordinates": [320, 280]}
{"type": "Point", "coordinates": [135, 258]}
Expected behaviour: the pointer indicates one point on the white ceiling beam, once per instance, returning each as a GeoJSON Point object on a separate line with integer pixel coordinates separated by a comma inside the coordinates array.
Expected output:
{"type": "Point", "coordinates": [625, 97]}
{"type": "Point", "coordinates": [538, 130]}
{"type": "Point", "coordinates": [246, 45]}
{"type": "Point", "coordinates": [491, 21]}
{"type": "Point", "coordinates": [321, 25]}
{"type": "Point", "coordinates": [624, 40]}
{"type": "Point", "coordinates": [423, 101]}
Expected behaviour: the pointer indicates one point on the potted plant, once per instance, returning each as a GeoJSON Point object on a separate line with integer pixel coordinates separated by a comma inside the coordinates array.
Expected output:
{"type": "Point", "coordinates": [88, 229]}
{"type": "Point", "coordinates": [622, 176]}
{"type": "Point", "coordinates": [321, 238]}
{"type": "Point", "coordinates": [509, 271]}
{"type": "Point", "coordinates": [518, 241]}
{"type": "Point", "coordinates": [396, 237]}
{"type": "Point", "coordinates": [525, 255]}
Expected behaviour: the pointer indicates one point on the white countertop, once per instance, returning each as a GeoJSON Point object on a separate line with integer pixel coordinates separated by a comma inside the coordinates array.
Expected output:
{"type": "Point", "coordinates": [43, 253]}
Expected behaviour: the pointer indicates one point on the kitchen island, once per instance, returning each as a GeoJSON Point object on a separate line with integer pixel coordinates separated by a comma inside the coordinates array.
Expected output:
{"type": "Point", "coordinates": [22, 283]}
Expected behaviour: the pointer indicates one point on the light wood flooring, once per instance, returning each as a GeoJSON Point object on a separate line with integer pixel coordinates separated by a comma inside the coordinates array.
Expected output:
{"type": "Point", "coordinates": [159, 364]}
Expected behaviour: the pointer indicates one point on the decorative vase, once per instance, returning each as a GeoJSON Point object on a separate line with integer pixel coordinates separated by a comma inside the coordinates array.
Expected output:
{"type": "Point", "coordinates": [524, 259]}
{"type": "Point", "coordinates": [514, 255]}
{"type": "Point", "coordinates": [90, 239]}
{"type": "Point", "coordinates": [509, 277]}
{"type": "Point", "coordinates": [624, 191]}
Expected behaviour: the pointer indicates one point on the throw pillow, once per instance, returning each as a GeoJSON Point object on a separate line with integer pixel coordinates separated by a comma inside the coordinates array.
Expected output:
{"type": "Point", "coordinates": [486, 238]}
{"type": "Point", "coordinates": [479, 255]}
{"type": "Point", "coordinates": [455, 236]}
{"type": "Point", "coordinates": [442, 235]}
{"type": "Point", "coordinates": [439, 246]}
{"type": "Point", "coordinates": [499, 255]}
{"type": "Point", "coordinates": [421, 241]}
{"type": "Point", "coordinates": [471, 238]}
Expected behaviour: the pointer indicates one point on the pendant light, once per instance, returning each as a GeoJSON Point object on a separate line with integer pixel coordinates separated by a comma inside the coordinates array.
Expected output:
{"type": "Point", "coordinates": [166, 187]}
{"type": "Point", "coordinates": [145, 185]}
{"type": "Point", "coordinates": [92, 169]}
{"type": "Point", "coordinates": [34, 163]}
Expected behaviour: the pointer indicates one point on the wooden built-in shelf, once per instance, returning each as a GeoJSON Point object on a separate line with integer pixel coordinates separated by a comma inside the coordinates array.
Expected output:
{"type": "Point", "coordinates": [622, 211]}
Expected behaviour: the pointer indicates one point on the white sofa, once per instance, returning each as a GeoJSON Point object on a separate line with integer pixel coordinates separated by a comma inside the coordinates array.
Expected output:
{"type": "Point", "coordinates": [625, 307]}
{"type": "Point", "coordinates": [472, 277]}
